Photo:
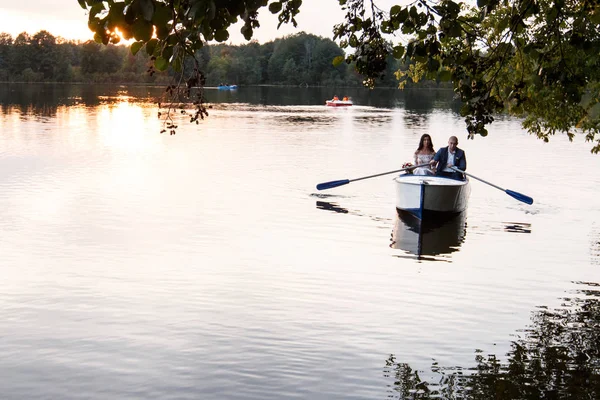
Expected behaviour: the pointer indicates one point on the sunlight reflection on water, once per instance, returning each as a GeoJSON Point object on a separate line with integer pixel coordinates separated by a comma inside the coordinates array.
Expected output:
{"type": "Point", "coordinates": [206, 264]}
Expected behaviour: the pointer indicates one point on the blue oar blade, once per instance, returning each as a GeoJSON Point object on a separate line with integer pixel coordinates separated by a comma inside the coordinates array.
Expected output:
{"type": "Point", "coordinates": [332, 184]}
{"type": "Point", "coordinates": [519, 196]}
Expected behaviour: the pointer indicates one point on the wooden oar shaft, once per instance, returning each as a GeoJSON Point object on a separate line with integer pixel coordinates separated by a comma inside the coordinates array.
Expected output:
{"type": "Point", "coordinates": [332, 184]}
{"type": "Point", "coordinates": [516, 195]}
{"type": "Point", "coordinates": [479, 179]}
{"type": "Point", "coordinates": [390, 172]}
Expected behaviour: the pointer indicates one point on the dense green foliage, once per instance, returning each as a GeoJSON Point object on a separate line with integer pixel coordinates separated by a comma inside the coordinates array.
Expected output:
{"type": "Point", "coordinates": [300, 59]}
{"type": "Point", "coordinates": [45, 58]}
{"type": "Point", "coordinates": [538, 59]}
{"type": "Point", "coordinates": [557, 357]}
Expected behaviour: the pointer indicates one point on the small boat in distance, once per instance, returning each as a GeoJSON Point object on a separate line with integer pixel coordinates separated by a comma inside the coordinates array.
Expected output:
{"type": "Point", "coordinates": [227, 87]}
{"type": "Point", "coordinates": [431, 197]}
{"type": "Point", "coordinates": [336, 102]}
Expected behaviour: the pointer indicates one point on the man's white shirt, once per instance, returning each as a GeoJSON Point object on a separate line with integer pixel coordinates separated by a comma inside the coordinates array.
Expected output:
{"type": "Point", "coordinates": [450, 161]}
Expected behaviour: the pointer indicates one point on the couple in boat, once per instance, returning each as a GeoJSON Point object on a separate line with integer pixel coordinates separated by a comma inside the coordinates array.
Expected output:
{"type": "Point", "coordinates": [440, 163]}
{"type": "Point", "coordinates": [335, 98]}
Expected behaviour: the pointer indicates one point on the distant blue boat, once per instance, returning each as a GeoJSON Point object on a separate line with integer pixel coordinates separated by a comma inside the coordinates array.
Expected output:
{"type": "Point", "coordinates": [227, 87]}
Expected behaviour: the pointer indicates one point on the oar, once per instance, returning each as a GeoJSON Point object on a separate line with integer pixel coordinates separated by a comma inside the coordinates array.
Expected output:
{"type": "Point", "coordinates": [511, 193]}
{"type": "Point", "coordinates": [332, 184]}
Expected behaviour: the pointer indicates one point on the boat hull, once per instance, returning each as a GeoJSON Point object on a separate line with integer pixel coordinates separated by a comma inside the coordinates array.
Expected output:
{"type": "Point", "coordinates": [431, 197]}
{"type": "Point", "coordinates": [338, 103]}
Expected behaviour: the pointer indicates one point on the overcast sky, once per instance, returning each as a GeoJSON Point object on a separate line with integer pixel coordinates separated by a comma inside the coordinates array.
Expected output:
{"type": "Point", "coordinates": [67, 19]}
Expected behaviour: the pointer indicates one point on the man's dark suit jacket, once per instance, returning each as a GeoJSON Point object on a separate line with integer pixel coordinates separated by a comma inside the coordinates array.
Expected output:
{"type": "Point", "coordinates": [460, 160]}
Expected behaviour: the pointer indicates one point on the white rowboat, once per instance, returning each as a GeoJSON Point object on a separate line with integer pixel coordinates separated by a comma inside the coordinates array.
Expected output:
{"type": "Point", "coordinates": [431, 196]}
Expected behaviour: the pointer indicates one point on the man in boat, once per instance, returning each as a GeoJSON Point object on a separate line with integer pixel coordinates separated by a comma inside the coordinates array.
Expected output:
{"type": "Point", "coordinates": [450, 156]}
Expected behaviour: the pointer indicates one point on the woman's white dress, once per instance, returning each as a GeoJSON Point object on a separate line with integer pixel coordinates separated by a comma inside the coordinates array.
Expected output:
{"type": "Point", "coordinates": [423, 159]}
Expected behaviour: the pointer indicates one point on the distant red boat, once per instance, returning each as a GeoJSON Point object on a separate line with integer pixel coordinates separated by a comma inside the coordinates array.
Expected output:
{"type": "Point", "coordinates": [338, 103]}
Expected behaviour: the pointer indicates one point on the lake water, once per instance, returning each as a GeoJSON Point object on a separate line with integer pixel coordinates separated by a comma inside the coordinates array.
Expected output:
{"type": "Point", "coordinates": [205, 265]}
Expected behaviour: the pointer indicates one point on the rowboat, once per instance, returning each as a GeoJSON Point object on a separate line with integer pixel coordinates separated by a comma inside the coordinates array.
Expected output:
{"type": "Point", "coordinates": [338, 103]}
{"type": "Point", "coordinates": [227, 87]}
{"type": "Point", "coordinates": [431, 197]}
{"type": "Point", "coordinates": [429, 237]}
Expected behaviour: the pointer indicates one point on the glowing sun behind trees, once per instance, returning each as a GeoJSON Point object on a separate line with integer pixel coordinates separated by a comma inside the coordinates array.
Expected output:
{"type": "Point", "coordinates": [536, 59]}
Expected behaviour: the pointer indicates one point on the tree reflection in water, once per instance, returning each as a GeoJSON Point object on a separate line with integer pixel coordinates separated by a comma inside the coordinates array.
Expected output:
{"type": "Point", "coordinates": [558, 357]}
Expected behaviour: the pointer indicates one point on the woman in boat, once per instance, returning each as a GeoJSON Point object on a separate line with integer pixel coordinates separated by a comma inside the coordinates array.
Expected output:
{"type": "Point", "coordinates": [345, 98]}
{"type": "Point", "coordinates": [424, 155]}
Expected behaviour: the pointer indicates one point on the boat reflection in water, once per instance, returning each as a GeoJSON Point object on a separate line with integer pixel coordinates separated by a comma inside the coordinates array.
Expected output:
{"type": "Point", "coordinates": [428, 238]}
{"type": "Point", "coordinates": [325, 205]}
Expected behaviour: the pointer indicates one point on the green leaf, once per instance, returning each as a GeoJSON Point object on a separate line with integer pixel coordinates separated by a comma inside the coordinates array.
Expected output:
{"type": "Point", "coordinates": [221, 35]}
{"type": "Point", "coordinates": [395, 10]}
{"type": "Point", "coordinates": [420, 50]}
{"type": "Point", "coordinates": [275, 7]}
{"type": "Point", "coordinates": [408, 27]}
{"type": "Point", "coordinates": [142, 30]}
{"type": "Point", "coordinates": [455, 30]}
{"type": "Point", "coordinates": [414, 14]}
{"type": "Point", "coordinates": [353, 41]}
{"type": "Point", "coordinates": [130, 15]}
{"type": "Point", "coordinates": [453, 8]}
{"type": "Point", "coordinates": [385, 27]}
{"type": "Point", "coordinates": [161, 64]}
{"type": "Point", "coordinates": [212, 10]}
{"type": "Point", "coordinates": [502, 25]}
{"type": "Point", "coordinates": [167, 53]}
{"type": "Point", "coordinates": [162, 15]}
{"type": "Point", "coordinates": [151, 46]}
{"type": "Point", "coordinates": [98, 38]}
{"type": "Point", "coordinates": [115, 18]}
{"type": "Point", "coordinates": [433, 48]}
{"type": "Point", "coordinates": [403, 15]}
{"type": "Point", "coordinates": [82, 4]}
{"type": "Point", "coordinates": [433, 65]}
{"type": "Point", "coordinates": [398, 51]}
{"type": "Point", "coordinates": [338, 60]}
{"type": "Point", "coordinates": [247, 32]}
{"type": "Point", "coordinates": [162, 31]}
{"type": "Point", "coordinates": [147, 7]}
{"type": "Point", "coordinates": [135, 47]}
{"type": "Point", "coordinates": [172, 39]}
{"type": "Point", "coordinates": [96, 8]}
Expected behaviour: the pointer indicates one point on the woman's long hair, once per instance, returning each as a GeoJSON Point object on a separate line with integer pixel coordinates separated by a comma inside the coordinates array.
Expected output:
{"type": "Point", "coordinates": [422, 144]}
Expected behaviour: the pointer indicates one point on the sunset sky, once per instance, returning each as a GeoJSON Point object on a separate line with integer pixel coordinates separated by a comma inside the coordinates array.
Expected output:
{"type": "Point", "coordinates": [67, 19]}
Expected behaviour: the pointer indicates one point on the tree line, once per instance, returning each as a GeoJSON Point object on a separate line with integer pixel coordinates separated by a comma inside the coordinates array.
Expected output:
{"type": "Point", "coordinates": [535, 59]}
{"type": "Point", "coordinates": [301, 59]}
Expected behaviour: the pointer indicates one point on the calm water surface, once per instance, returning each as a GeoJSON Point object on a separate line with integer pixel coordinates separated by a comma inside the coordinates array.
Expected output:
{"type": "Point", "coordinates": [206, 265]}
